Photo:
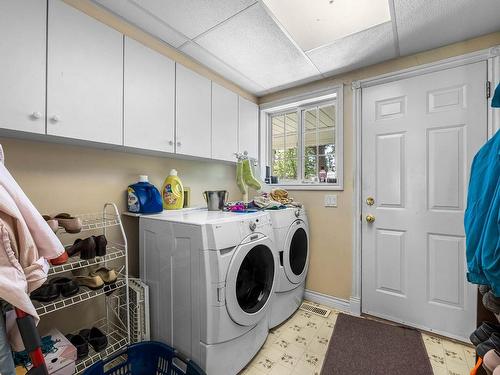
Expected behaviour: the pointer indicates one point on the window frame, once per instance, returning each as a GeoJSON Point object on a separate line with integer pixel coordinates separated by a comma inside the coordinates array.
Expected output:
{"type": "Point", "coordinates": [299, 104]}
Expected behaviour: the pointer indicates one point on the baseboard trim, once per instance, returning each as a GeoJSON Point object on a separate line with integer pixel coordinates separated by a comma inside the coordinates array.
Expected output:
{"type": "Point", "coordinates": [333, 302]}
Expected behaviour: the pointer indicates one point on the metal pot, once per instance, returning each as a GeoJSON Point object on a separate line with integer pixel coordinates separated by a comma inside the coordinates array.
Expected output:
{"type": "Point", "coordinates": [215, 199]}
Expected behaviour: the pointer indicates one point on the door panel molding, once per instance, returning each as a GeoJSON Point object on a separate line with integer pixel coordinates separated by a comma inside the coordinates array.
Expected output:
{"type": "Point", "coordinates": [491, 55]}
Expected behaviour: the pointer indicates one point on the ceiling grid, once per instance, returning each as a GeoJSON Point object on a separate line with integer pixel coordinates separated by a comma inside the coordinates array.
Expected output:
{"type": "Point", "coordinates": [268, 45]}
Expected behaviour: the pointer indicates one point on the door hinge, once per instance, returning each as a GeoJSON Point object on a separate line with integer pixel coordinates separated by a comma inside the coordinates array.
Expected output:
{"type": "Point", "coordinates": [488, 89]}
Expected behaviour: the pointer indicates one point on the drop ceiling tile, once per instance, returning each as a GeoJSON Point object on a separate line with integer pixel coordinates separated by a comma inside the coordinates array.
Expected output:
{"type": "Point", "coordinates": [206, 58]}
{"type": "Point", "coordinates": [193, 17]}
{"type": "Point", "coordinates": [355, 51]}
{"type": "Point", "coordinates": [427, 24]}
{"type": "Point", "coordinates": [128, 10]}
{"type": "Point", "coordinates": [253, 44]}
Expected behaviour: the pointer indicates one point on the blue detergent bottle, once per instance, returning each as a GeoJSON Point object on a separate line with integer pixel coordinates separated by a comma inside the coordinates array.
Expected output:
{"type": "Point", "coordinates": [143, 197]}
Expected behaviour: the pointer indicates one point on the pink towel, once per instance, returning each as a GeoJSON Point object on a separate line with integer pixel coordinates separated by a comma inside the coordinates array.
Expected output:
{"type": "Point", "coordinates": [46, 241]}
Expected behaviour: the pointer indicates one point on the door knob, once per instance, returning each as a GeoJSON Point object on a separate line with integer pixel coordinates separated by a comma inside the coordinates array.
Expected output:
{"type": "Point", "coordinates": [370, 201]}
{"type": "Point", "coordinates": [179, 144]}
{"type": "Point", "coordinates": [55, 118]}
{"type": "Point", "coordinates": [36, 115]}
{"type": "Point", "coordinates": [370, 218]}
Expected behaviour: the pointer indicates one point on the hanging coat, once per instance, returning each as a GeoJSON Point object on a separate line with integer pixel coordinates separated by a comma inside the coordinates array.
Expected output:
{"type": "Point", "coordinates": [482, 217]}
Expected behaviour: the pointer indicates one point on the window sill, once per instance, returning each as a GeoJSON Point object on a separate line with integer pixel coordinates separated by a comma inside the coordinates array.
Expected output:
{"type": "Point", "coordinates": [323, 187]}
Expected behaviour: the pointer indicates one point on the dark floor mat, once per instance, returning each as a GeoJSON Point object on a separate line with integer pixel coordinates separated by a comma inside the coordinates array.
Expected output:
{"type": "Point", "coordinates": [367, 347]}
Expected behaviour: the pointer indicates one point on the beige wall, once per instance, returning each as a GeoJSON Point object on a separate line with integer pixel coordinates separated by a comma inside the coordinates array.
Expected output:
{"type": "Point", "coordinates": [330, 269]}
{"type": "Point", "coordinates": [61, 178]}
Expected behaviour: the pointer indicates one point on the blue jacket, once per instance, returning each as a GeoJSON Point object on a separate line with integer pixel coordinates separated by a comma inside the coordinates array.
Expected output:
{"type": "Point", "coordinates": [482, 217]}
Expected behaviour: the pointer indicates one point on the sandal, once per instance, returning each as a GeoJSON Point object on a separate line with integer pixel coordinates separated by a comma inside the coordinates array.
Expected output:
{"type": "Point", "coordinates": [69, 223]}
{"type": "Point", "coordinates": [107, 275]}
{"type": "Point", "coordinates": [81, 345]}
{"type": "Point", "coordinates": [86, 248]}
{"type": "Point", "coordinates": [95, 337]}
{"type": "Point", "coordinates": [65, 286]}
{"type": "Point", "coordinates": [100, 245]}
{"type": "Point", "coordinates": [45, 293]}
{"type": "Point", "coordinates": [91, 282]}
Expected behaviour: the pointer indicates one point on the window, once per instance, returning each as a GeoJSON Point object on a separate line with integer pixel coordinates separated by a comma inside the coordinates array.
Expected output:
{"type": "Point", "coordinates": [305, 142]}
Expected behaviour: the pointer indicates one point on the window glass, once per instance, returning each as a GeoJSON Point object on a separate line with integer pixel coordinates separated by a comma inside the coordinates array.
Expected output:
{"type": "Point", "coordinates": [285, 143]}
{"type": "Point", "coordinates": [304, 144]}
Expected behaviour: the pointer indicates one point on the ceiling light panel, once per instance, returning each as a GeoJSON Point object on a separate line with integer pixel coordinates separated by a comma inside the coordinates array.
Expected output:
{"type": "Point", "coordinates": [355, 51]}
{"type": "Point", "coordinates": [142, 19]}
{"type": "Point", "coordinates": [315, 23]}
{"type": "Point", "coordinates": [427, 24]}
{"type": "Point", "coordinates": [254, 45]}
{"type": "Point", "coordinates": [193, 17]}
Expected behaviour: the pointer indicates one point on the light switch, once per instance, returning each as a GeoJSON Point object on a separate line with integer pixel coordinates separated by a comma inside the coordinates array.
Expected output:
{"type": "Point", "coordinates": [331, 200]}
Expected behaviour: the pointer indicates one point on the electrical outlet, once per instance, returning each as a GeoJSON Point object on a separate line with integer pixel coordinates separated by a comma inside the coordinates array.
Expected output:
{"type": "Point", "coordinates": [331, 200]}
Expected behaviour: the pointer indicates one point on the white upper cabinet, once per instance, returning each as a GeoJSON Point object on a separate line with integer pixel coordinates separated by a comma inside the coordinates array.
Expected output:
{"type": "Point", "coordinates": [22, 65]}
{"type": "Point", "coordinates": [193, 113]}
{"type": "Point", "coordinates": [224, 123]}
{"type": "Point", "coordinates": [85, 76]}
{"type": "Point", "coordinates": [248, 133]}
{"type": "Point", "coordinates": [149, 98]}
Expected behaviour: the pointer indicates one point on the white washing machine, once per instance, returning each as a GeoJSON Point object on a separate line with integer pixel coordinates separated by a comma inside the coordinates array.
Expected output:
{"type": "Point", "coordinates": [291, 234]}
{"type": "Point", "coordinates": [212, 277]}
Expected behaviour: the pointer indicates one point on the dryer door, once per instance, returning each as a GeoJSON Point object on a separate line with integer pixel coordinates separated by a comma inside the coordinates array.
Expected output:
{"type": "Point", "coordinates": [251, 280]}
{"type": "Point", "coordinates": [296, 252]}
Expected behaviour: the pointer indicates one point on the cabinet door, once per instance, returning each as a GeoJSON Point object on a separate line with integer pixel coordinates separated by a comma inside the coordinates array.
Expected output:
{"type": "Point", "coordinates": [224, 123]}
{"type": "Point", "coordinates": [193, 113]}
{"type": "Point", "coordinates": [85, 76]}
{"type": "Point", "coordinates": [149, 98]}
{"type": "Point", "coordinates": [248, 133]}
{"type": "Point", "coordinates": [22, 65]}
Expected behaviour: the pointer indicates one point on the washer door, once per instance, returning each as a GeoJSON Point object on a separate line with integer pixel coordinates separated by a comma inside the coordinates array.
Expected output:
{"type": "Point", "coordinates": [296, 252]}
{"type": "Point", "coordinates": [250, 281]}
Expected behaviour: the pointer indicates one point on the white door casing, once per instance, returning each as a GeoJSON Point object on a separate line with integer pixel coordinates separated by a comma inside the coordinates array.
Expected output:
{"type": "Point", "coordinates": [22, 65]}
{"type": "Point", "coordinates": [419, 136]}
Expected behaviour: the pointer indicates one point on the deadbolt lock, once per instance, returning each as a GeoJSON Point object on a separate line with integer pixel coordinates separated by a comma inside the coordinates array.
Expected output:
{"type": "Point", "coordinates": [370, 218]}
{"type": "Point", "coordinates": [370, 201]}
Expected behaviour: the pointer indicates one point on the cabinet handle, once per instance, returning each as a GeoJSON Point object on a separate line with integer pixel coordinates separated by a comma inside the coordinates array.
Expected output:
{"type": "Point", "coordinates": [179, 144]}
{"type": "Point", "coordinates": [36, 115]}
{"type": "Point", "coordinates": [55, 118]}
{"type": "Point", "coordinates": [171, 143]}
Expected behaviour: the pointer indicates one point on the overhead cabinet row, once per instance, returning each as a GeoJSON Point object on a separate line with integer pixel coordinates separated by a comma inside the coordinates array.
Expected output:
{"type": "Point", "coordinates": [105, 88]}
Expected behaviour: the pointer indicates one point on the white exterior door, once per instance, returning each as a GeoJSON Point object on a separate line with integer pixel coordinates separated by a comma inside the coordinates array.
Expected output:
{"type": "Point", "coordinates": [22, 65]}
{"type": "Point", "coordinates": [419, 136]}
{"type": "Point", "coordinates": [148, 98]}
{"type": "Point", "coordinates": [84, 76]}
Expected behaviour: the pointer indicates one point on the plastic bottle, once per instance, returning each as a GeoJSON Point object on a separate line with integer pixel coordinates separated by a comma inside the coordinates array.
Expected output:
{"type": "Point", "coordinates": [143, 197]}
{"type": "Point", "coordinates": [172, 192]}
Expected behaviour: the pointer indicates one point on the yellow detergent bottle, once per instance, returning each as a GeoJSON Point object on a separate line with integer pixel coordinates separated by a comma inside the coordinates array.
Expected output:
{"type": "Point", "coordinates": [172, 192]}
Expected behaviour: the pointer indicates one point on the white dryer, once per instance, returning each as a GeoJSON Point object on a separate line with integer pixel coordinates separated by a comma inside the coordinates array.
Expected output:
{"type": "Point", "coordinates": [212, 277]}
{"type": "Point", "coordinates": [291, 234]}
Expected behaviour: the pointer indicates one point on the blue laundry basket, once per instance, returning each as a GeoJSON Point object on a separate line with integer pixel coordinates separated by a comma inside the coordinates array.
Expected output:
{"type": "Point", "coordinates": [146, 358]}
